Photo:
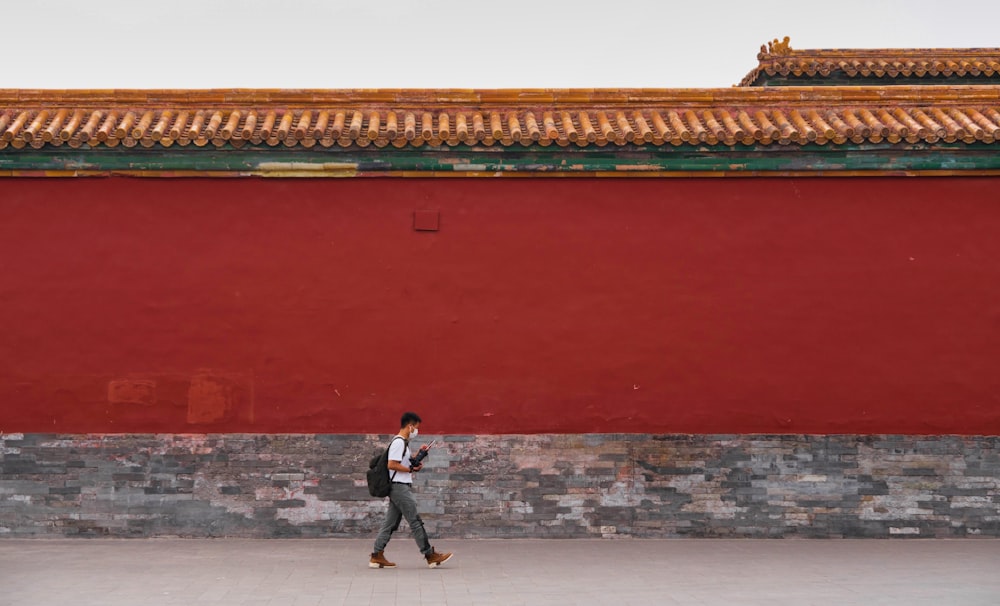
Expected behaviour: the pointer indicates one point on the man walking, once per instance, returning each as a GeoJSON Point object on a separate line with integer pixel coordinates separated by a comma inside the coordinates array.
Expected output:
{"type": "Point", "coordinates": [402, 503]}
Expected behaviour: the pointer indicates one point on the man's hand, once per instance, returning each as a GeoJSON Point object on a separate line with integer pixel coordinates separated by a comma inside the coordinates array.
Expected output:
{"type": "Point", "coordinates": [416, 468]}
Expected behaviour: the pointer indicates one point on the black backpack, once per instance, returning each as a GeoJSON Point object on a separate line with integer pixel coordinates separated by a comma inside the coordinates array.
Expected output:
{"type": "Point", "coordinates": [379, 481]}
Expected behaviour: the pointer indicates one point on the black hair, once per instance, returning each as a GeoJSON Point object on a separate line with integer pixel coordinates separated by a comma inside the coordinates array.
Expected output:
{"type": "Point", "coordinates": [409, 417]}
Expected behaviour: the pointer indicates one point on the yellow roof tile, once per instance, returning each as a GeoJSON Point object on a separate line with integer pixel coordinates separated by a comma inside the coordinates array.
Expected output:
{"type": "Point", "coordinates": [401, 118]}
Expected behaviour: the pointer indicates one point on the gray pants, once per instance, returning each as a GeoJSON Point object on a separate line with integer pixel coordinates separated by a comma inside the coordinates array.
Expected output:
{"type": "Point", "coordinates": [402, 504]}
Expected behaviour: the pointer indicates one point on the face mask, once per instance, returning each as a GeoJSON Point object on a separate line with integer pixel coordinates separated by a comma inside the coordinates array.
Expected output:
{"type": "Point", "coordinates": [414, 432]}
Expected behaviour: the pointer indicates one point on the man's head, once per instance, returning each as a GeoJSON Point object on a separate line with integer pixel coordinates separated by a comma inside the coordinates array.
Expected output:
{"type": "Point", "coordinates": [409, 419]}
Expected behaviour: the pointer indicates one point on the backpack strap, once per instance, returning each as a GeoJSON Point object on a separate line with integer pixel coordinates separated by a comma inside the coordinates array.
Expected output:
{"type": "Point", "coordinates": [393, 476]}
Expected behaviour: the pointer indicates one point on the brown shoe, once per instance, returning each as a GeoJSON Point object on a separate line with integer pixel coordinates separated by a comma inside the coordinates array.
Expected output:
{"type": "Point", "coordinates": [378, 561]}
{"type": "Point", "coordinates": [435, 559]}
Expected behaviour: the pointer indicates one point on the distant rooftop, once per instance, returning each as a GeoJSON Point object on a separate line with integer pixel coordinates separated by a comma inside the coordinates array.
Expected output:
{"type": "Point", "coordinates": [781, 65]}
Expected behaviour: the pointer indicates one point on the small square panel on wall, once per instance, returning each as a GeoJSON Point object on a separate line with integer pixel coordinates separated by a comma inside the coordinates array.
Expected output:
{"type": "Point", "coordinates": [426, 220]}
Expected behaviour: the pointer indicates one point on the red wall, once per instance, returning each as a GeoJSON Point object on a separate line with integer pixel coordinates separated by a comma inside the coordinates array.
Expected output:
{"type": "Point", "coordinates": [541, 305]}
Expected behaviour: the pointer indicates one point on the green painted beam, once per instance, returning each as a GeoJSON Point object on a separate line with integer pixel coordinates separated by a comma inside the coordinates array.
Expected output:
{"type": "Point", "coordinates": [628, 159]}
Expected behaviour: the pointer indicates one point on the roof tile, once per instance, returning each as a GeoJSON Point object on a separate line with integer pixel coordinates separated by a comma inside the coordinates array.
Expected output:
{"type": "Point", "coordinates": [777, 116]}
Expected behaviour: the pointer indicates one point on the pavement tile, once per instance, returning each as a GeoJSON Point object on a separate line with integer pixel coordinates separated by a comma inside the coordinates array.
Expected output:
{"type": "Point", "coordinates": [304, 572]}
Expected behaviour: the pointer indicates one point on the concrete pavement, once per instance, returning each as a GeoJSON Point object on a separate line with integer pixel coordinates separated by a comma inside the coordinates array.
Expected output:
{"type": "Point", "coordinates": [195, 572]}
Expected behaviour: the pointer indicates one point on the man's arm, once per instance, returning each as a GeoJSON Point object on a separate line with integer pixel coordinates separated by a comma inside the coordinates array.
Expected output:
{"type": "Point", "coordinates": [399, 450]}
{"type": "Point", "coordinates": [398, 466]}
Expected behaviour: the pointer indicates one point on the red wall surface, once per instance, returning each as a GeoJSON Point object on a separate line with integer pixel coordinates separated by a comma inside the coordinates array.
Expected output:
{"type": "Point", "coordinates": [541, 305]}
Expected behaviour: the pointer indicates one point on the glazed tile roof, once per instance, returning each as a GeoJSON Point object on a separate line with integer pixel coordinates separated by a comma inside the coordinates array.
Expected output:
{"type": "Point", "coordinates": [778, 59]}
{"type": "Point", "coordinates": [505, 118]}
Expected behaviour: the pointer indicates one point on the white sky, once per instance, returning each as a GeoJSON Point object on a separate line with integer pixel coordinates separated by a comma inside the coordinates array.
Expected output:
{"type": "Point", "coordinates": [450, 43]}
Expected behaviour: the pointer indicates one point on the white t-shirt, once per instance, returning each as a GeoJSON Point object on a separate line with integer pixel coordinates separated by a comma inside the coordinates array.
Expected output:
{"type": "Point", "coordinates": [400, 452]}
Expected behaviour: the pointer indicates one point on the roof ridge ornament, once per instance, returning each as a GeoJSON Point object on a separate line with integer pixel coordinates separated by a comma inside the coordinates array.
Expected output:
{"type": "Point", "coordinates": [777, 47]}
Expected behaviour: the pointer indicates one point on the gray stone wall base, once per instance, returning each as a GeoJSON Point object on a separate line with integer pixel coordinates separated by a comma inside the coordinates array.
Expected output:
{"type": "Point", "coordinates": [565, 486]}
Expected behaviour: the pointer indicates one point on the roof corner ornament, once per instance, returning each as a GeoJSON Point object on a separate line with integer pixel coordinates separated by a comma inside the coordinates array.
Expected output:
{"type": "Point", "coordinates": [777, 47]}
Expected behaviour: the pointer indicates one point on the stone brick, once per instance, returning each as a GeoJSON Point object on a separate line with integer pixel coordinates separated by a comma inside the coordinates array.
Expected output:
{"type": "Point", "coordinates": [504, 486]}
